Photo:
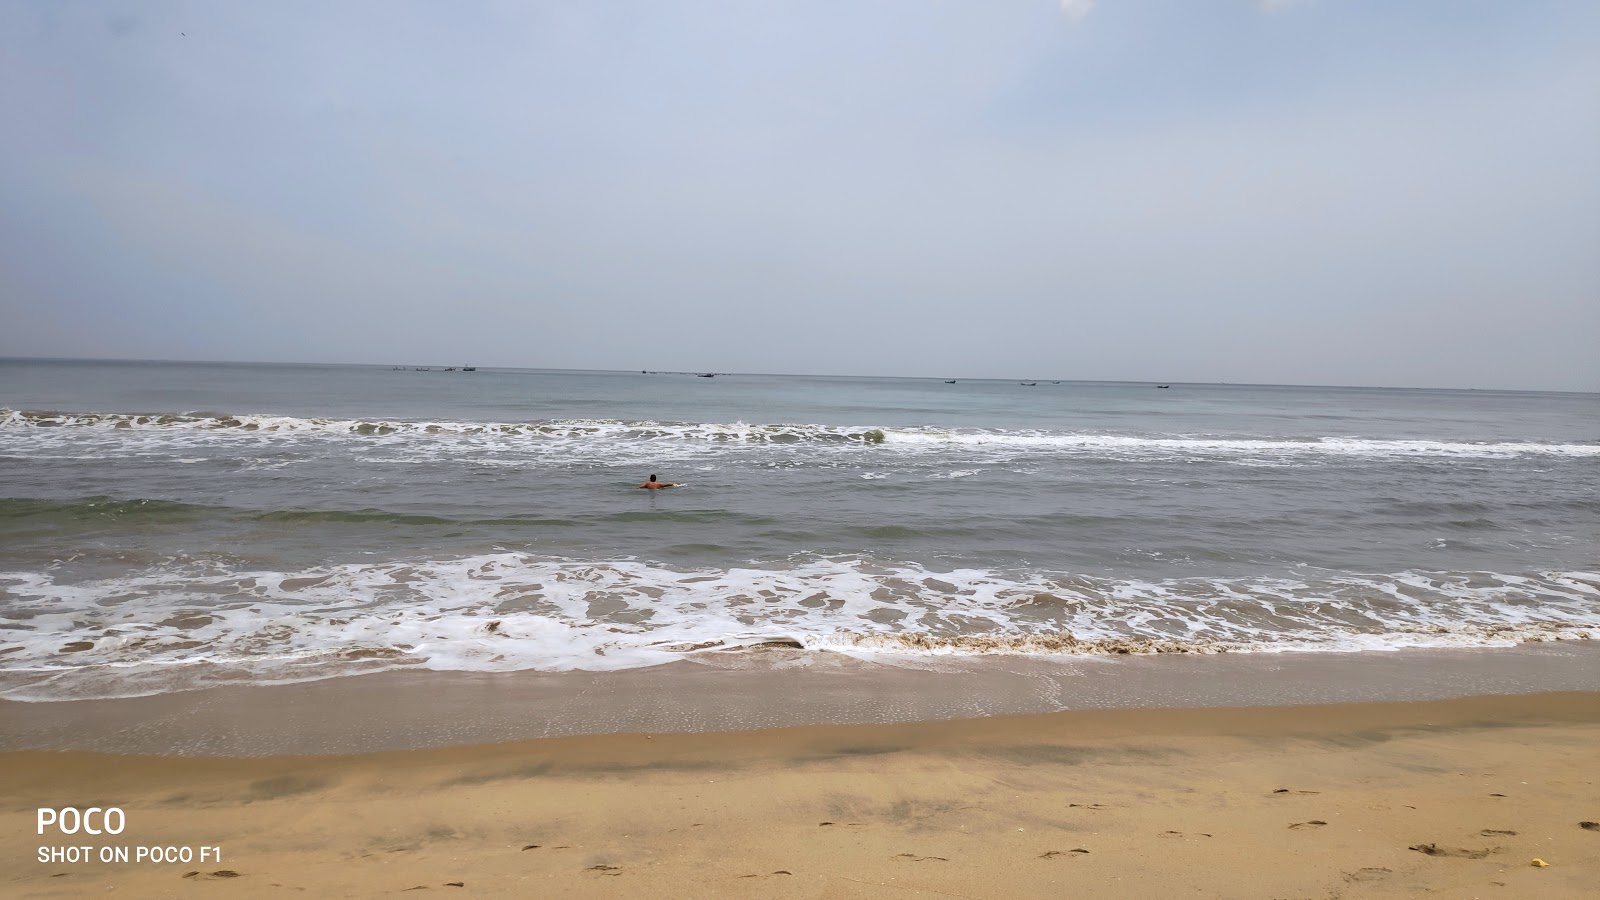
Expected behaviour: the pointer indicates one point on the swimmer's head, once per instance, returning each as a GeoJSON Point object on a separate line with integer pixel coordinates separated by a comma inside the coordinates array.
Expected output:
{"type": "Point", "coordinates": [652, 476]}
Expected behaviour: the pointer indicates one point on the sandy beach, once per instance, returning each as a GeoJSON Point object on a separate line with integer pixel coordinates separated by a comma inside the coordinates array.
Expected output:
{"type": "Point", "coordinates": [1452, 797]}
{"type": "Point", "coordinates": [992, 451]}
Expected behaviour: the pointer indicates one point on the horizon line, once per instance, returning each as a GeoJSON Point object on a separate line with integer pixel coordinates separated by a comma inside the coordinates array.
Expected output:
{"type": "Point", "coordinates": [410, 367]}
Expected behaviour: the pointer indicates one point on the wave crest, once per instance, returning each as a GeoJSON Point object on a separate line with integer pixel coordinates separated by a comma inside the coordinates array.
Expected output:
{"type": "Point", "coordinates": [908, 438]}
{"type": "Point", "coordinates": [184, 625]}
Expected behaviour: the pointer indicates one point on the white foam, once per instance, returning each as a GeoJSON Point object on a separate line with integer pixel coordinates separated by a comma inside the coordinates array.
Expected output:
{"type": "Point", "coordinates": [153, 432]}
{"type": "Point", "coordinates": [170, 629]}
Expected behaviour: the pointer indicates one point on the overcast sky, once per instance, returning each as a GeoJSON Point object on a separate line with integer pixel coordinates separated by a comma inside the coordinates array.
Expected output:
{"type": "Point", "coordinates": [1321, 191]}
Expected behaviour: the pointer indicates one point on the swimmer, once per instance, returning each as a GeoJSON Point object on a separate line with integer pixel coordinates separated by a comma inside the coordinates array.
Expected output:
{"type": "Point", "coordinates": [654, 485]}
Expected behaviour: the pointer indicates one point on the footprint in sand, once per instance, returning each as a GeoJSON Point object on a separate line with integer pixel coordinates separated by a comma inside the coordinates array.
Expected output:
{"type": "Point", "coordinates": [1370, 873]}
{"type": "Point", "coordinates": [915, 858]}
{"type": "Point", "coordinates": [1184, 834]}
{"type": "Point", "coordinates": [605, 870]}
{"type": "Point", "coordinates": [1287, 791]}
{"type": "Point", "coordinates": [1490, 832]}
{"type": "Point", "coordinates": [1590, 826]}
{"type": "Point", "coordinates": [769, 874]}
{"type": "Point", "coordinates": [1314, 823]}
{"type": "Point", "coordinates": [1052, 854]}
{"type": "Point", "coordinates": [1461, 852]}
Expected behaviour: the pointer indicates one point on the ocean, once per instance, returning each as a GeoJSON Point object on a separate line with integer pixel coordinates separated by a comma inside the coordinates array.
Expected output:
{"type": "Point", "coordinates": [170, 526]}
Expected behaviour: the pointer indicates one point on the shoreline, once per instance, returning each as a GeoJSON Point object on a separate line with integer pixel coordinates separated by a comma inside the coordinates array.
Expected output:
{"type": "Point", "coordinates": [1386, 799]}
{"type": "Point", "coordinates": [776, 688]}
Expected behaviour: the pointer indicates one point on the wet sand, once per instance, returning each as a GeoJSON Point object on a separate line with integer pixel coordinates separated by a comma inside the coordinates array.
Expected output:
{"type": "Point", "coordinates": [769, 689]}
{"type": "Point", "coordinates": [1455, 797]}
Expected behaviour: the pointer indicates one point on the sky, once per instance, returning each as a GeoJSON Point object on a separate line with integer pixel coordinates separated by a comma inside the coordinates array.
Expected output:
{"type": "Point", "coordinates": [1355, 192]}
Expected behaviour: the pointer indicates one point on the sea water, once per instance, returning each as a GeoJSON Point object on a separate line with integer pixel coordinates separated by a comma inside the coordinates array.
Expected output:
{"type": "Point", "coordinates": [166, 526]}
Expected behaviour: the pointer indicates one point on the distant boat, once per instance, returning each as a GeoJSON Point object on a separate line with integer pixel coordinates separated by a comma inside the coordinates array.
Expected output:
{"type": "Point", "coordinates": [951, 381]}
{"type": "Point", "coordinates": [423, 369]}
{"type": "Point", "coordinates": [709, 375]}
{"type": "Point", "coordinates": [450, 369]}
{"type": "Point", "coordinates": [1163, 386]}
{"type": "Point", "coordinates": [1028, 383]}
{"type": "Point", "coordinates": [469, 368]}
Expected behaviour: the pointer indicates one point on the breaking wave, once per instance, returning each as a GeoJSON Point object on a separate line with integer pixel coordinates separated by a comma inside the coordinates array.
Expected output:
{"type": "Point", "coordinates": [182, 626]}
{"type": "Point", "coordinates": [905, 438]}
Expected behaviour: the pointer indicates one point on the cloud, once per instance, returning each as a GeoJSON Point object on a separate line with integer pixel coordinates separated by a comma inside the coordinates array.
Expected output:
{"type": "Point", "coordinates": [1076, 9]}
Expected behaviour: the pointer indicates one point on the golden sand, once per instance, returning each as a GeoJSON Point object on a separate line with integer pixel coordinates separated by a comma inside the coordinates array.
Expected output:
{"type": "Point", "coordinates": [1449, 798]}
